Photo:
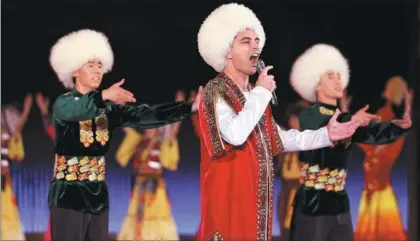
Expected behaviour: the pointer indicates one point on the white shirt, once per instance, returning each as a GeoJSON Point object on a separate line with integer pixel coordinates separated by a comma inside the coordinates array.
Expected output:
{"type": "Point", "coordinates": [235, 128]}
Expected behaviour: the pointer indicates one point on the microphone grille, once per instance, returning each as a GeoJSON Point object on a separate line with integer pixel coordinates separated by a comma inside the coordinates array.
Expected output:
{"type": "Point", "coordinates": [260, 65]}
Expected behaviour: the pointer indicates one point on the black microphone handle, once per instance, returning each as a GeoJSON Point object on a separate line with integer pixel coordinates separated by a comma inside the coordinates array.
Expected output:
{"type": "Point", "coordinates": [260, 67]}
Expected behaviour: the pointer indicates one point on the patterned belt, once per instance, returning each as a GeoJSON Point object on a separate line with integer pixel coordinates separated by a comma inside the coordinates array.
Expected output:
{"type": "Point", "coordinates": [325, 179]}
{"type": "Point", "coordinates": [79, 168]}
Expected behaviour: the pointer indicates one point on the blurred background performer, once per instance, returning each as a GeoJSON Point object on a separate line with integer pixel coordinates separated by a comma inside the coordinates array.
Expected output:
{"type": "Point", "coordinates": [149, 215]}
{"type": "Point", "coordinates": [43, 104]}
{"type": "Point", "coordinates": [12, 123]}
{"type": "Point", "coordinates": [379, 215]}
{"type": "Point", "coordinates": [289, 171]}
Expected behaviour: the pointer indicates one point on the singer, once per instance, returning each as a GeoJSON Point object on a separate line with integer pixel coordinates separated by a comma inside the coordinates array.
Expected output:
{"type": "Point", "coordinates": [321, 206]}
{"type": "Point", "coordinates": [84, 119]}
{"type": "Point", "coordinates": [239, 136]}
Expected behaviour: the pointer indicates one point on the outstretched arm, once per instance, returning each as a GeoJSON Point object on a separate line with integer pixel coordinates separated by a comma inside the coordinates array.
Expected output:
{"type": "Point", "coordinates": [294, 140]}
{"type": "Point", "coordinates": [378, 133]}
{"type": "Point", "coordinates": [27, 105]}
{"type": "Point", "coordinates": [43, 104]}
{"type": "Point", "coordinates": [88, 106]}
{"type": "Point", "coordinates": [151, 116]}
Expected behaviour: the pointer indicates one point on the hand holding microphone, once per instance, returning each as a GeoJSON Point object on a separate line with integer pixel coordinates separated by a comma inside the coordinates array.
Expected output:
{"type": "Point", "coordinates": [265, 80]}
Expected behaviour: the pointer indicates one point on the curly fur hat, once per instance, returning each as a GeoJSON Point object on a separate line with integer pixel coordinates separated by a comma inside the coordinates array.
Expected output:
{"type": "Point", "coordinates": [75, 49]}
{"type": "Point", "coordinates": [314, 62]}
{"type": "Point", "coordinates": [221, 27]}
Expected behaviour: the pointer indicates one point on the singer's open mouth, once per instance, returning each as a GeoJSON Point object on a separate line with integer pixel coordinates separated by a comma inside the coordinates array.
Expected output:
{"type": "Point", "coordinates": [254, 58]}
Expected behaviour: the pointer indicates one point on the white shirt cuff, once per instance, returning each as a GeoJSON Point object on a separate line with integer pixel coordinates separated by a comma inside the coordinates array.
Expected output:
{"type": "Point", "coordinates": [294, 140]}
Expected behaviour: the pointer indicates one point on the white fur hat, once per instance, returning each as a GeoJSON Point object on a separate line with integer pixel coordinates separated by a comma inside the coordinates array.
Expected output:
{"type": "Point", "coordinates": [221, 27]}
{"type": "Point", "coordinates": [75, 49]}
{"type": "Point", "coordinates": [312, 64]}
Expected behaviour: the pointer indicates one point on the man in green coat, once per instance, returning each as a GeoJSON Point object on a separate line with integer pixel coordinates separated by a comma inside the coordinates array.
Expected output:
{"type": "Point", "coordinates": [84, 119]}
{"type": "Point", "coordinates": [321, 206]}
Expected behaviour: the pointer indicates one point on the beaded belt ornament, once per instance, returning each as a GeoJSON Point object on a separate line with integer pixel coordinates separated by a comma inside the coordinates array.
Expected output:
{"type": "Point", "coordinates": [79, 169]}
{"type": "Point", "coordinates": [325, 179]}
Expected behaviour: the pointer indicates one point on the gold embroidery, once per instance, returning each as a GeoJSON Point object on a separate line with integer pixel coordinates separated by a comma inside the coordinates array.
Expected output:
{"type": "Point", "coordinates": [325, 179]}
{"type": "Point", "coordinates": [265, 182]}
{"type": "Point", "coordinates": [86, 133]}
{"type": "Point", "coordinates": [102, 135]}
{"type": "Point", "coordinates": [208, 98]}
{"type": "Point", "coordinates": [216, 237]}
{"type": "Point", "coordinates": [325, 111]}
{"type": "Point", "coordinates": [73, 169]}
{"type": "Point", "coordinates": [279, 142]}
{"type": "Point", "coordinates": [229, 89]}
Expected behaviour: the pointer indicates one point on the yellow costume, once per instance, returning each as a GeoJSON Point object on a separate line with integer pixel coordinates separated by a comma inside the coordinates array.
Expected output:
{"type": "Point", "coordinates": [289, 174]}
{"type": "Point", "coordinates": [149, 214]}
{"type": "Point", "coordinates": [11, 150]}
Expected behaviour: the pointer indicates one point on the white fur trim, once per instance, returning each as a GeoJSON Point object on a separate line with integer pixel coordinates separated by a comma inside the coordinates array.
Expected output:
{"type": "Point", "coordinates": [312, 64]}
{"type": "Point", "coordinates": [75, 49]}
{"type": "Point", "coordinates": [221, 27]}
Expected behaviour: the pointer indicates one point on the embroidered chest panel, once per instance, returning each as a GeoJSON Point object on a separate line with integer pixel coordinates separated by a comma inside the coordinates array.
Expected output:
{"type": "Point", "coordinates": [101, 134]}
{"type": "Point", "coordinates": [326, 111]}
{"type": "Point", "coordinates": [265, 182]}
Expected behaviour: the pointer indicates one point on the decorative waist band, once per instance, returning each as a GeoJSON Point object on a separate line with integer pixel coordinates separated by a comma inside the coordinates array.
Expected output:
{"type": "Point", "coordinates": [79, 168]}
{"type": "Point", "coordinates": [325, 179]}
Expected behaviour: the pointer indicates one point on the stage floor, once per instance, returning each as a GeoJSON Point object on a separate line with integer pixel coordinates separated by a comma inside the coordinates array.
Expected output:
{"type": "Point", "coordinates": [40, 237]}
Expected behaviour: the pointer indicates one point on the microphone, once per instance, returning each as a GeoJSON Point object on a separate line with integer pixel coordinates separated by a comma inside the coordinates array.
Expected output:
{"type": "Point", "coordinates": [260, 66]}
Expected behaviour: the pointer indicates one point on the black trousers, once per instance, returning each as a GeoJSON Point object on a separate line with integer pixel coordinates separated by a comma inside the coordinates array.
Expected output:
{"type": "Point", "coordinates": [321, 228]}
{"type": "Point", "coordinates": [71, 225]}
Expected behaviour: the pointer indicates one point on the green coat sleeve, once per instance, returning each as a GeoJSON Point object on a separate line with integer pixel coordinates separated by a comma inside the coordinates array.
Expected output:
{"type": "Point", "coordinates": [150, 116]}
{"type": "Point", "coordinates": [376, 133]}
{"type": "Point", "coordinates": [68, 108]}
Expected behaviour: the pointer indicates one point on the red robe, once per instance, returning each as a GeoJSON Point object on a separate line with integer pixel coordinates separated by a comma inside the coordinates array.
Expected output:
{"type": "Point", "coordinates": [236, 182]}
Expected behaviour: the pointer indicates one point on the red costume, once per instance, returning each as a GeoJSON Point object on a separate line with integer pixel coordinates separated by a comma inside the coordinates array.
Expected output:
{"type": "Point", "coordinates": [236, 182]}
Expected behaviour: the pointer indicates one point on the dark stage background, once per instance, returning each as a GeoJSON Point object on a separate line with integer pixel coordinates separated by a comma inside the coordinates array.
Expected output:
{"type": "Point", "coordinates": [155, 46]}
